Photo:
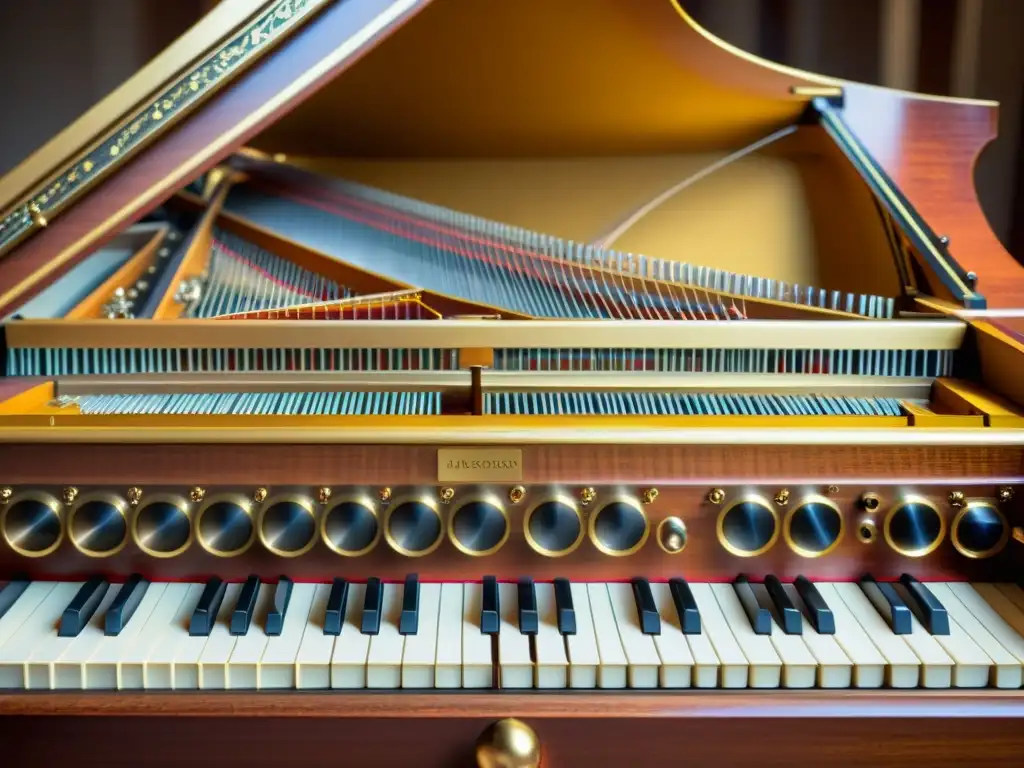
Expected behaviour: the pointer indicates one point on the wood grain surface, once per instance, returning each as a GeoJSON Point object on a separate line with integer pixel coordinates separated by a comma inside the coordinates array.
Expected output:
{"type": "Point", "coordinates": [370, 730]}
{"type": "Point", "coordinates": [323, 464]}
{"type": "Point", "coordinates": [703, 559]}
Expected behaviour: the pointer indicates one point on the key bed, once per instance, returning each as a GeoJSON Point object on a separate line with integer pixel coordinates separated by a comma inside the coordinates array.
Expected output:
{"type": "Point", "coordinates": [505, 635]}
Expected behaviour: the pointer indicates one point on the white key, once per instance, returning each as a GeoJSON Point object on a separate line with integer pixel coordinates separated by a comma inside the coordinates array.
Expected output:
{"type": "Point", "coordinates": [351, 647]}
{"type": "Point", "coordinates": [448, 664]}
{"type": "Point", "coordinates": [158, 671]}
{"type": "Point", "coordinates": [969, 667]}
{"type": "Point", "coordinates": [515, 667]}
{"type": "Point", "coordinates": [244, 664]}
{"type": "Point", "coordinates": [903, 667]}
{"type": "Point", "coordinates": [999, 641]}
{"type": "Point", "coordinates": [765, 664]}
{"type": "Point", "coordinates": [277, 667]}
{"type": "Point", "coordinates": [33, 632]}
{"type": "Point", "coordinates": [101, 669]}
{"type": "Point", "coordinates": [420, 651]}
{"type": "Point", "coordinates": [552, 665]}
{"type": "Point", "coordinates": [131, 666]}
{"type": "Point", "coordinates": [213, 663]}
{"type": "Point", "coordinates": [313, 661]}
{"type": "Point", "coordinates": [799, 667]}
{"type": "Point", "coordinates": [477, 664]}
{"type": "Point", "coordinates": [680, 665]}
{"type": "Point", "coordinates": [869, 666]}
{"type": "Point", "coordinates": [67, 668]}
{"type": "Point", "coordinates": [835, 670]}
{"type": "Point", "coordinates": [384, 663]}
{"type": "Point", "coordinates": [735, 668]}
{"type": "Point", "coordinates": [641, 653]}
{"type": "Point", "coordinates": [12, 676]}
{"type": "Point", "coordinates": [613, 670]}
{"type": "Point", "coordinates": [185, 664]}
{"type": "Point", "coordinates": [584, 659]}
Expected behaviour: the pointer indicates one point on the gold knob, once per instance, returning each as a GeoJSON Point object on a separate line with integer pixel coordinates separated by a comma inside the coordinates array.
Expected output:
{"type": "Point", "coordinates": [516, 494]}
{"type": "Point", "coordinates": [134, 495]}
{"type": "Point", "coordinates": [197, 494]}
{"type": "Point", "coordinates": [672, 535]}
{"type": "Point", "coordinates": [587, 496]}
{"type": "Point", "coordinates": [259, 495]}
{"type": "Point", "coordinates": [1005, 494]}
{"type": "Point", "coordinates": [716, 496]}
{"type": "Point", "coordinates": [782, 497]}
{"type": "Point", "coordinates": [323, 495]}
{"type": "Point", "coordinates": [384, 494]}
{"type": "Point", "coordinates": [446, 495]}
{"type": "Point", "coordinates": [508, 743]}
{"type": "Point", "coordinates": [5, 495]}
{"type": "Point", "coordinates": [70, 494]}
{"type": "Point", "coordinates": [957, 500]}
{"type": "Point", "coordinates": [650, 495]}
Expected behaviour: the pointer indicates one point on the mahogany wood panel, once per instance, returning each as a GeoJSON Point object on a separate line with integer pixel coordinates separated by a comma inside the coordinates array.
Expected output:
{"type": "Point", "coordinates": [703, 559]}
{"type": "Point", "coordinates": [369, 730]}
{"type": "Point", "coordinates": [321, 464]}
{"type": "Point", "coordinates": [929, 149]}
{"type": "Point", "coordinates": [171, 162]}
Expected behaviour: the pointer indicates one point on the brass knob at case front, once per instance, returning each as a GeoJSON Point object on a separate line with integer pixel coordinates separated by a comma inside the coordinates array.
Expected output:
{"type": "Point", "coordinates": [508, 743]}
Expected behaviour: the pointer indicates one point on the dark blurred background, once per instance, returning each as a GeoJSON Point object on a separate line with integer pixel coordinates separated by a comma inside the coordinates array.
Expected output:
{"type": "Point", "coordinates": [61, 56]}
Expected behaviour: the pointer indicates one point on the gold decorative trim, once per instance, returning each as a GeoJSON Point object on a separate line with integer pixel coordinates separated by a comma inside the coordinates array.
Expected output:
{"type": "Point", "coordinates": [601, 546]}
{"type": "Point", "coordinates": [973, 553]}
{"type": "Point", "coordinates": [882, 335]}
{"type": "Point", "coordinates": [490, 500]}
{"type": "Point", "coordinates": [176, 101]}
{"type": "Point", "coordinates": [930, 546]}
{"type": "Point", "coordinates": [569, 503]}
{"type": "Point", "coordinates": [728, 546]}
{"type": "Point", "coordinates": [787, 526]}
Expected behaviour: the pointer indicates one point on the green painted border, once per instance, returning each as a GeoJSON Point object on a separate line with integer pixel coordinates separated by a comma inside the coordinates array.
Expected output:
{"type": "Point", "coordinates": [217, 69]}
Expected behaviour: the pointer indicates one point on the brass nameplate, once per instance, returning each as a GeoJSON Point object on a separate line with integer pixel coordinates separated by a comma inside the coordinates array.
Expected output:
{"type": "Point", "coordinates": [479, 465]}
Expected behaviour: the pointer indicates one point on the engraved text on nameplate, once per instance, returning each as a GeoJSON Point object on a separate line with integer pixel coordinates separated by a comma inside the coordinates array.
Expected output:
{"type": "Point", "coordinates": [479, 465]}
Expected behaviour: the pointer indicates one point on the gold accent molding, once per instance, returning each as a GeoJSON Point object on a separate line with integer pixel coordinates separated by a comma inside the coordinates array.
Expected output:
{"type": "Point", "coordinates": [490, 334]}
{"type": "Point", "coordinates": [147, 122]}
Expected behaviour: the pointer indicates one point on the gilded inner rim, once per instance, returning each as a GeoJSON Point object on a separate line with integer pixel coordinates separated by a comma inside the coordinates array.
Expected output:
{"type": "Point", "coordinates": [414, 527]}
{"type": "Point", "coordinates": [225, 527]}
{"type": "Point", "coordinates": [619, 528]}
{"type": "Point", "coordinates": [98, 525]}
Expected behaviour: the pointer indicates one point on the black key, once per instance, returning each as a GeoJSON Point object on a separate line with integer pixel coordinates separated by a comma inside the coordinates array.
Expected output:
{"type": "Point", "coordinates": [334, 617]}
{"type": "Point", "coordinates": [926, 606]}
{"type": "Point", "coordinates": [646, 608]}
{"type": "Point", "coordinates": [760, 618]}
{"type": "Point", "coordinates": [282, 596]}
{"type": "Point", "coordinates": [489, 608]}
{"type": "Point", "coordinates": [409, 622]}
{"type": "Point", "coordinates": [205, 614]}
{"type": "Point", "coordinates": [789, 617]}
{"type": "Point", "coordinates": [373, 605]}
{"type": "Point", "coordinates": [124, 605]}
{"type": "Point", "coordinates": [12, 590]}
{"type": "Point", "coordinates": [822, 619]}
{"type": "Point", "coordinates": [82, 607]}
{"type": "Point", "coordinates": [564, 606]}
{"type": "Point", "coordinates": [529, 621]}
{"type": "Point", "coordinates": [888, 603]}
{"type": "Point", "coordinates": [686, 606]}
{"type": "Point", "coordinates": [241, 617]}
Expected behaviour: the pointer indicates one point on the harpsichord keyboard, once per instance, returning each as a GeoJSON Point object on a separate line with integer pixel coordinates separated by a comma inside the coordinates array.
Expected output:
{"type": "Point", "coordinates": [559, 634]}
